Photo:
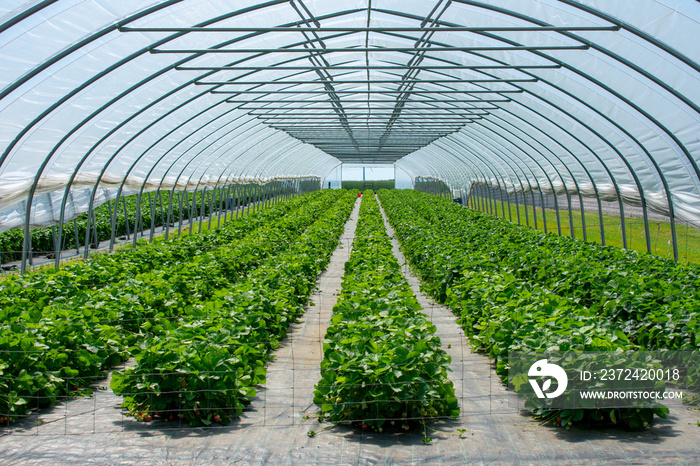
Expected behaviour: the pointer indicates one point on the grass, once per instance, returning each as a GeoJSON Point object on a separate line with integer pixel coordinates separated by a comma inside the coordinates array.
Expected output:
{"type": "Point", "coordinates": [371, 184]}
{"type": "Point", "coordinates": [688, 237]}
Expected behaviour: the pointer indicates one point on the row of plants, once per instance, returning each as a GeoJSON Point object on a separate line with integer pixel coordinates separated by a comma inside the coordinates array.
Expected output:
{"type": "Point", "coordinates": [203, 366]}
{"type": "Point", "coordinates": [383, 365]}
{"type": "Point", "coordinates": [60, 348]}
{"type": "Point", "coordinates": [164, 205]}
{"type": "Point", "coordinates": [652, 300]}
{"type": "Point", "coordinates": [31, 292]}
{"type": "Point", "coordinates": [501, 308]}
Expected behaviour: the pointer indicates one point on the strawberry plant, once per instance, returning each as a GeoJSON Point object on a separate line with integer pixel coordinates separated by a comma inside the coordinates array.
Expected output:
{"type": "Point", "coordinates": [63, 329]}
{"type": "Point", "coordinates": [207, 363]}
{"type": "Point", "coordinates": [382, 361]}
{"type": "Point", "coordinates": [519, 290]}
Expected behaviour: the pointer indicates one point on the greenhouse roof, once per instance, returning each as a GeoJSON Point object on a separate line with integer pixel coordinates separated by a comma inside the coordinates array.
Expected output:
{"type": "Point", "coordinates": [591, 98]}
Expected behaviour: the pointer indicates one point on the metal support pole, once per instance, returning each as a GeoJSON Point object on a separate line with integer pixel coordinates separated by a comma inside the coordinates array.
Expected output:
{"type": "Point", "coordinates": [534, 208]}
{"type": "Point", "coordinates": [26, 244]}
{"type": "Point", "coordinates": [88, 232]}
{"type": "Point", "coordinates": [112, 215]}
{"type": "Point", "coordinates": [492, 203]}
{"type": "Point", "coordinates": [229, 202]}
{"type": "Point", "coordinates": [94, 228]}
{"type": "Point", "coordinates": [222, 207]}
{"type": "Point", "coordinates": [58, 246]}
{"type": "Point", "coordinates": [75, 234]}
{"type": "Point", "coordinates": [192, 206]}
{"type": "Point", "coordinates": [138, 222]}
{"type": "Point", "coordinates": [113, 222]}
{"type": "Point", "coordinates": [163, 220]}
{"type": "Point", "coordinates": [623, 228]}
{"type": "Point", "coordinates": [181, 200]}
{"type": "Point", "coordinates": [201, 208]}
{"type": "Point", "coordinates": [544, 214]}
{"type": "Point", "coordinates": [211, 204]}
{"type": "Point", "coordinates": [88, 227]}
{"type": "Point", "coordinates": [31, 252]}
{"type": "Point", "coordinates": [169, 218]}
{"type": "Point", "coordinates": [152, 205]}
{"type": "Point", "coordinates": [126, 218]}
{"type": "Point", "coordinates": [583, 216]}
{"type": "Point", "coordinates": [510, 214]}
{"type": "Point", "coordinates": [556, 213]}
{"type": "Point", "coordinates": [54, 235]}
{"type": "Point", "coordinates": [239, 196]}
{"type": "Point", "coordinates": [571, 214]}
{"type": "Point", "coordinates": [527, 213]}
{"type": "Point", "coordinates": [503, 204]}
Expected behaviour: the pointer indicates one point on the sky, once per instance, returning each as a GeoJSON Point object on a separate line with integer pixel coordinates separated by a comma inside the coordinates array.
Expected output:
{"type": "Point", "coordinates": [352, 172]}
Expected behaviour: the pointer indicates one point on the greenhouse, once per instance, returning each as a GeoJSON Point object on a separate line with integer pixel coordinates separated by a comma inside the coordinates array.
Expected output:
{"type": "Point", "coordinates": [191, 274]}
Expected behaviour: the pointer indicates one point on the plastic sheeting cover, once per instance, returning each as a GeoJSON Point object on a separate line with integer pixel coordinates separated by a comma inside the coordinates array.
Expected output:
{"type": "Point", "coordinates": [589, 97]}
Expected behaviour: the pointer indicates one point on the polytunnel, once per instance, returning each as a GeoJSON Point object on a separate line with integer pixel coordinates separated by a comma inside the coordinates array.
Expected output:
{"type": "Point", "coordinates": [102, 99]}
{"type": "Point", "coordinates": [181, 283]}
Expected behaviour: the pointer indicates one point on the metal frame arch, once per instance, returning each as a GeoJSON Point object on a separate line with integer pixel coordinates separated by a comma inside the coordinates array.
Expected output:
{"type": "Point", "coordinates": [638, 109]}
{"type": "Point", "coordinates": [511, 130]}
{"type": "Point", "coordinates": [257, 162]}
{"type": "Point", "coordinates": [621, 157]}
{"type": "Point", "coordinates": [64, 99]}
{"type": "Point", "coordinates": [499, 151]}
{"type": "Point", "coordinates": [571, 154]}
{"type": "Point", "coordinates": [495, 148]}
{"type": "Point", "coordinates": [549, 180]}
{"type": "Point", "coordinates": [192, 81]}
{"type": "Point", "coordinates": [85, 157]}
{"type": "Point", "coordinates": [138, 158]}
{"type": "Point", "coordinates": [452, 173]}
{"type": "Point", "coordinates": [77, 46]}
{"type": "Point", "coordinates": [599, 84]}
{"type": "Point", "coordinates": [25, 14]}
{"type": "Point", "coordinates": [547, 57]}
{"type": "Point", "coordinates": [166, 153]}
{"type": "Point", "coordinates": [518, 117]}
{"type": "Point", "coordinates": [510, 172]}
{"type": "Point", "coordinates": [446, 151]}
{"type": "Point", "coordinates": [442, 154]}
{"type": "Point", "coordinates": [554, 193]}
{"type": "Point", "coordinates": [216, 160]}
{"type": "Point", "coordinates": [641, 146]}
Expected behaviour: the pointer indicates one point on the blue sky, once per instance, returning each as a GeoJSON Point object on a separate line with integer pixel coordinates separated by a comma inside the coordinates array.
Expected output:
{"type": "Point", "coordinates": [372, 172]}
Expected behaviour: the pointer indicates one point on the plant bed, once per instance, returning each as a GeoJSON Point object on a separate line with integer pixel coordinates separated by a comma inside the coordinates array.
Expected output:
{"type": "Point", "coordinates": [382, 364]}
{"type": "Point", "coordinates": [468, 264]}
{"type": "Point", "coordinates": [208, 363]}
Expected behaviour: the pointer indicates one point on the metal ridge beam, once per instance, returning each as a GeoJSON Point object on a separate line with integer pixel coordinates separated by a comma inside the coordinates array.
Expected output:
{"type": "Point", "coordinates": [306, 101]}
{"type": "Point", "coordinates": [477, 91]}
{"type": "Point", "coordinates": [374, 29]}
{"type": "Point", "coordinates": [485, 48]}
{"type": "Point", "coordinates": [365, 67]}
{"type": "Point", "coordinates": [365, 81]}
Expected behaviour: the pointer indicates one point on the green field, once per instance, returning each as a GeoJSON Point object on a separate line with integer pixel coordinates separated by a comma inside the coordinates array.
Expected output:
{"type": "Point", "coordinates": [660, 231]}
{"type": "Point", "coordinates": [370, 184]}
